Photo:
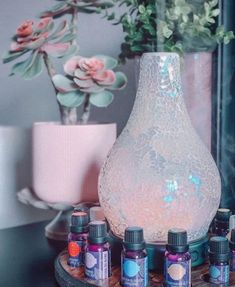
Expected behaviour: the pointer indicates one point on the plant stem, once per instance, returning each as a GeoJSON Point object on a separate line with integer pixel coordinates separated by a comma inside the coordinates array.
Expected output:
{"type": "Point", "coordinates": [68, 116]}
{"type": "Point", "coordinates": [86, 109]}
{"type": "Point", "coordinates": [74, 22]}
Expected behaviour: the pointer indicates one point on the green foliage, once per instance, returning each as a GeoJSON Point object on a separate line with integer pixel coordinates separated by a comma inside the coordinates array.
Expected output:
{"type": "Point", "coordinates": [138, 24]}
{"type": "Point", "coordinates": [181, 25]}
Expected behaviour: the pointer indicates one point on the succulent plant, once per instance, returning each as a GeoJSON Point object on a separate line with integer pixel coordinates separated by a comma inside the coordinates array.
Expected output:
{"type": "Point", "coordinates": [88, 80]}
{"type": "Point", "coordinates": [39, 40]}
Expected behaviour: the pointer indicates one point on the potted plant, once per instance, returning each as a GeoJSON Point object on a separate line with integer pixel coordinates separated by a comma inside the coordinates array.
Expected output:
{"type": "Point", "coordinates": [188, 27]}
{"type": "Point", "coordinates": [67, 156]}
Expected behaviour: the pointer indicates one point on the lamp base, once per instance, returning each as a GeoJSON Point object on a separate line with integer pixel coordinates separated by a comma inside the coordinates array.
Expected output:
{"type": "Point", "coordinates": [197, 249]}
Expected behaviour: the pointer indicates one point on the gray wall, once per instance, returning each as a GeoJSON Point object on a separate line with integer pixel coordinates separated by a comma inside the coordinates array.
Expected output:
{"type": "Point", "coordinates": [24, 102]}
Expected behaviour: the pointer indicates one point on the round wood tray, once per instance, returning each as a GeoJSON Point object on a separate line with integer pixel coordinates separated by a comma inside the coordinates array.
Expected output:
{"type": "Point", "coordinates": [67, 276]}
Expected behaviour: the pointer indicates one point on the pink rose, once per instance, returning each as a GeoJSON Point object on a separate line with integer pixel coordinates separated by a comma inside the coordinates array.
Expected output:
{"type": "Point", "coordinates": [89, 73]}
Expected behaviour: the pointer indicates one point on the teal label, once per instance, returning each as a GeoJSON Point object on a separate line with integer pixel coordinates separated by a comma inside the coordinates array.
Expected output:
{"type": "Point", "coordinates": [177, 273]}
{"type": "Point", "coordinates": [97, 265]}
{"type": "Point", "coordinates": [219, 274]}
{"type": "Point", "coordinates": [134, 272]}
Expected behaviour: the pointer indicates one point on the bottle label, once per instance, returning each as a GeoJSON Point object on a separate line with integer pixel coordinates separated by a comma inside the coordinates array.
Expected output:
{"type": "Point", "coordinates": [76, 250]}
{"type": "Point", "coordinates": [178, 273]}
{"type": "Point", "coordinates": [219, 274]}
{"type": "Point", "coordinates": [98, 265]}
{"type": "Point", "coordinates": [134, 272]}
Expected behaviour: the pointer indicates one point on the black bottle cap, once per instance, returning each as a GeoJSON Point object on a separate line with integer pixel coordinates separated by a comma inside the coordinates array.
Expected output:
{"type": "Point", "coordinates": [219, 249]}
{"type": "Point", "coordinates": [97, 232]}
{"type": "Point", "coordinates": [177, 241]}
{"type": "Point", "coordinates": [223, 214]}
{"type": "Point", "coordinates": [232, 240]}
{"type": "Point", "coordinates": [134, 238]}
{"type": "Point", "coordinates": [79, 222]}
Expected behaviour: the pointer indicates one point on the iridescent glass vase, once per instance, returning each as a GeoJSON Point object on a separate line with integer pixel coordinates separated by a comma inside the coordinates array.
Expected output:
{"type": "Point", "coordinates": [159, 175]}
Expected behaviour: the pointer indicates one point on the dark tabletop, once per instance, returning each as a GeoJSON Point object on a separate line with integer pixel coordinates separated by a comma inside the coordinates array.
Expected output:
{"type": "Point", "coordinates": [27, 257]}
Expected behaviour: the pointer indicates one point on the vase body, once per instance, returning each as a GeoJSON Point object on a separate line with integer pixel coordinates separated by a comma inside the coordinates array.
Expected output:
{"type": "Point", "coordinates": [159, 175]}
{"type": "Point", "coordinates": [196, 72]}
{"type": "Point", "coordinates": [197, 91]}
{"type": "Point", "coordinates": [67, 160]}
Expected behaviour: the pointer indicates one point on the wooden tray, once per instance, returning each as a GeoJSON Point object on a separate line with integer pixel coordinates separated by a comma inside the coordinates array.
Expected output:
{"type": "Point", "coordinates": [67, 276]}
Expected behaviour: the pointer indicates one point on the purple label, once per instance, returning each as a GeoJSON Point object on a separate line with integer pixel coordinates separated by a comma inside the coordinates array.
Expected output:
{"type": "Point", "coordinates": [97, 265]}
{"type": "Point", "coordinates": [178, 273]}
{"type": "Point", "coordinates": [219, 274]}
{"type": "Point", "coordinates": [134, 272]}
{"type": "Point", "coordinates": [76, 250]}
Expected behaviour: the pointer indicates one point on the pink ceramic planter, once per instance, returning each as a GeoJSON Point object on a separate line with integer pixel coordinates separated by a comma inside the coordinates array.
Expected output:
{"type": "Point", "coordinates": [67, 160]}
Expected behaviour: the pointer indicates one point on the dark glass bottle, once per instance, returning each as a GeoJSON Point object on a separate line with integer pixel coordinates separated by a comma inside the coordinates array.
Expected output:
{"type": "Point", "coordinates": [98, 252]}
{"type": "Point", "coordinates": [232, 250]}
{"type": "Point", "coordinates": [221, 222]}
{"type": "Point", "coordinates": [177, 267]}
{"type": "Point", "coordinates": [134, 260]}
{"type": "Point", "coordinates": [77, 238]}
{"type": "Point", "coordinates": [219, 260]}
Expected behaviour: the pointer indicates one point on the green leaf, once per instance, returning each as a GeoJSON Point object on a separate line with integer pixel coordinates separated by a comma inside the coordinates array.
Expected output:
{"type": "Point", "coordinates": [60, 30]}
{"type": "Point", "coordinates": [120, 83]}
{"type": "Point", "coordinates": [102, 99]}
{"type": "Point", "coordinates": [109, 62]}
{"type": "Point", "coordinates": [29, 68]}
{"type": "Point", "coordinates": [21, 67]}
{"type": "Point", "coordinates": [54, 10]}
{"type": "Point", "coordinates": [10, 56]}
{"type": "Point", "coordinates": [215, 12]}
{"type": "Point", "coordinates": [63, 84]}
{"type": "Point", "coordinates": [71, 99]}
{"type": "Point", "coordinates": [141, 9]}
{"type": "Point", "coordinates": [36, 44]}
{"type": "Point", "coordinates": [35, 68]}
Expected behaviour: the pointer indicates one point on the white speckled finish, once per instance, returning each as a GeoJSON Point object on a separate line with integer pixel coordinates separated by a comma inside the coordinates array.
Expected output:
{"type": "Point", "coordinates": [158, 174]}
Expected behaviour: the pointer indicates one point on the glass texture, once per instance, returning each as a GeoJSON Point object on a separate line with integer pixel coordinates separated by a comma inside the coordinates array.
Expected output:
{"type": "Point", "coordinates": [159, 175]}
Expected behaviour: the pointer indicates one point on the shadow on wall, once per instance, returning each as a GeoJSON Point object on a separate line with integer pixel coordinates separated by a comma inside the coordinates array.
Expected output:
{"type": "Point", "coordinates": [15, 173]}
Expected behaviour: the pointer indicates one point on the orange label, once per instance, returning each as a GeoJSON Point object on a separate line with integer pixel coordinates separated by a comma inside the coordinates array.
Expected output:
{"type": "Point", "coordinates": [73, 249]}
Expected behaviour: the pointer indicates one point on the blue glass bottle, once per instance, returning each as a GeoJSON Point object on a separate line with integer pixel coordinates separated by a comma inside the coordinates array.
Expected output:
{"type": "Point", "coordinates": [98, 252]}
{"type": "Point", "coordinates": [232, 250]}
{"type": "Point", "coordinates": [177, 267]}
{"type": "Point", "coordinates": [219, 260]}
{"type": "Point", "coordinates": [134, 260]}
{"type": "Point", "coordinates": [77, 238]}
{"type": "Point", "coordinates": [221, 222]}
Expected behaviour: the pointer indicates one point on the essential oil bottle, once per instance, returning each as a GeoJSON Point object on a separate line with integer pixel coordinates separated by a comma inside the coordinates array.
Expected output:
{"type": "Point", "coordinates": [232, 250]}
{"type": "Point", "coordinates": [98, 252]}
{"type": "Point", "coordinates": [134, 260]}
{"type": "Point", "coordinates": [177, 268]}
{"type": "Point", "coordinates": [77, 238]}
{"type": "Point", "coordinates": [219, 260]}
{"type": "Point", "coordinates": [221, 222]}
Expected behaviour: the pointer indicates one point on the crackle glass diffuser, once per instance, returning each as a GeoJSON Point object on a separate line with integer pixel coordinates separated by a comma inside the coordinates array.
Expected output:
{"type": "Point", "coordinates": [159, 175]}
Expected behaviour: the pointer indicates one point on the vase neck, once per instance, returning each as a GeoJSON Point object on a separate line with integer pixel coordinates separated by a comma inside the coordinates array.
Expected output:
{"type": "Point", "coordinates": [160, 72]}
{"type": "Point", "coordinates": [159, 97]}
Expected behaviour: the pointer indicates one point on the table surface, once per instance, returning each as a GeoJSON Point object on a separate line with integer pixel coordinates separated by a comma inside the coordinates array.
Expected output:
{"type": "Point", "coordinates": [27, 257]}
